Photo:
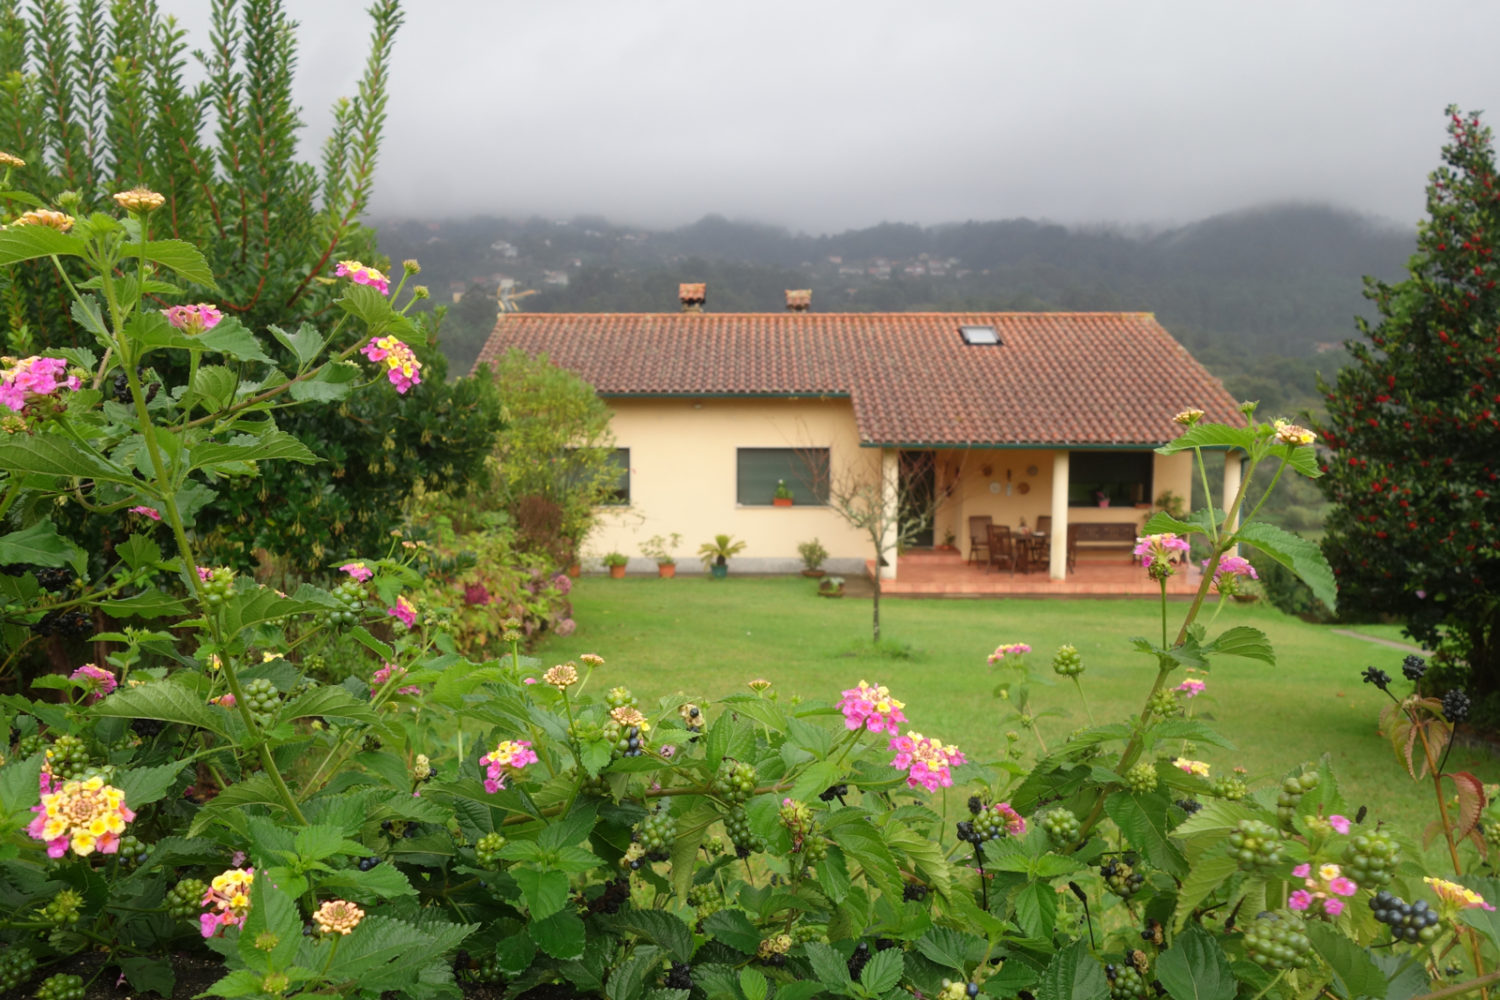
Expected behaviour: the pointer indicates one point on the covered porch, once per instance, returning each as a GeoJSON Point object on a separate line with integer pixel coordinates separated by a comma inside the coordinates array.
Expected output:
{"type": "Point", "coordinates": [1105, 494]}
{"type": "Point", "coordinates": [934, 573]}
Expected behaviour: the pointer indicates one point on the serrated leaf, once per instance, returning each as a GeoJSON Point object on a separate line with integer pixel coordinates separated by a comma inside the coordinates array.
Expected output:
{"type": "Point", "coordinates": [180, 256]}
{"type": "Point", "coordinates": [332, 382]}
{"type": "Point", "coordinates": [380, 882]}
{"type": "Point", "coordinates": [329, 702]}
{"type": "Point", "coordinates": [150, 604]}
{"type": "Point", "coordinates": [561, 935]}
{"type": "Point", "coordinates": [514, 954]}
{"type": "Point", "coordinates": [253, 448]}
{"type": "Point", "coordinates": [660, 928]}
{"type": "Point", "coordinates": [145, 785]}
{"type": "Point", "coordinates": [1207, 874]}
{"type": "Point", "coordinates": [233, 338]}
{"type": "Point", "coordinates": [1471, 802]}
{"type": "Point", "coordinates": [1405, 979]}
{"type": "Point", "coordinates": [1195, 968]}
{"type": "Point", "coordinates": [166, 701]}
{"type": "Point", "coordinates": [375, 310]}
{"type": "Point", "coordinates": [305, 343]}
{"type": "Point", "coordinates": [1073, 974]}
{"type": "Point", "coordinates": [863, 845]}
{"type": "Point", "coordinates": [1242, 640]}
{"type": "Point", "coordinates": [1211, 436]}
{"type": "Point", "coordinates": [1143, 821]}
{"type": "Point", "coordinates": [546, 892]}
{"type": "Point", "coordinates": [1355, 973]}
{"type": "Point", "coordinates": [883, 971]}
{"type": "Point", "coordinates": [20, 243]}
{"type": "Point", "coordinates": [1036, 909]}
{"type": "Point", "coordinates": [139, 551]}
{"type": "Point", "coordinates": [733, 928]}
{"type": "Point", "coordinates": [1297, 554]}
{"type": "Point", "coordinates": [149, 975]}
{"type": "Point", "coordinates": [952, 949]}
{"type": "Point", "coordinates": [53, 455]}
{"type": "Point", "coordinates": [753, 984]}
{"type": "Point", "coordinates": [38, 545]}
{"type": "Point", "coordinates": [829, 966]}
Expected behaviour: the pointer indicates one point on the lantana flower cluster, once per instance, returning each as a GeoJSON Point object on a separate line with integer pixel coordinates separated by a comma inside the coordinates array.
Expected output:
{"type": "Point", "coordinates": [1316, 897]}
{"type": "Point", "coordinates": [873, 708]}
{"type": "Point", "coordinates": [1229, 571]}
{"type": "Point", "coordinates": [194, 319]}
{"type": "Point", "coordinates": [402, 366]}
{"type": "Point", "coordinates": [506, 759]}
{"type": "Point", "coordinates": [926, 761]}
{"type": "Point", "coordinates": [358, 570]}
{"type": "Point", "coordinates": [338, 916]}
{"type": "Point", "coordinates": [1191, 688]}
{"type": "Point", "coordinates": [228, 898]}
{"type": "Point", "coordinates": [1158, 549]}
{"type": "Point", "coordinates": [363, 275]}
{"type": "Point", "coordinates": [97, 681]}
{"type": "Point", "coordinates": [405, 612]}
{"type": "Point", "coordinates": [86, 815]}
{"type": "Point", "coordinates": [379, 678]}
{"type": "Point", "coordinates": [1009, 649]}
{"type": "Point", "coordinates": [1290, 433]}
{"type": "Point", "coordinates": [33, 376]}
{"type": "Point", "coordinates": [1196, 767]}
{"type": "Point", "coordinates": [1456, 896]}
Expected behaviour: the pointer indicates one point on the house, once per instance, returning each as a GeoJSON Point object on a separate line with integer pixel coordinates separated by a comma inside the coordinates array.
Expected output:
{"type": "Point", "coordinates": [1011, 415]}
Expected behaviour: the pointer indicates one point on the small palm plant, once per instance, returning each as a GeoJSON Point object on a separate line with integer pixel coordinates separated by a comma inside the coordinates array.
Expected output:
{"type": "Point", "coordinates": [717, 553]}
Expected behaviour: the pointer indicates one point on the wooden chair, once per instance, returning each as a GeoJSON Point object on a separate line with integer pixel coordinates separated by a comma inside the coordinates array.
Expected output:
{"type": "Point", "coordinates": [1002, 546]}
{"type": "Point", "coordinates": [1041, 548]}
{"type": "Point", "coordinates": [1072, 559]}
{"type": "Point", "coordinates": [979, 537]}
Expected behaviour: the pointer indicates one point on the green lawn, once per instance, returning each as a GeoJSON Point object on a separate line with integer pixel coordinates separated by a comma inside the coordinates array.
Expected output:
{"type": "Point", "coordinates": [1391, 633]}
{"type": "Point", "coordinates": [706, 639]}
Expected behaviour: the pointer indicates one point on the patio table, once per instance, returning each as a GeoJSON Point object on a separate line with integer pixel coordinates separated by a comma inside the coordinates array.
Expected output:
{"type": "Point", "coordinates": [1031, 548]}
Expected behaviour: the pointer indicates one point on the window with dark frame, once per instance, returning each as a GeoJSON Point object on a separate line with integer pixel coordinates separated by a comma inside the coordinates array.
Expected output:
{"type": "Point", "coordinates": [759, 470]}
{"type": "Point", "coordinates": [619, 496]}
{"type": "Point", "coordinates": [1121, 477]}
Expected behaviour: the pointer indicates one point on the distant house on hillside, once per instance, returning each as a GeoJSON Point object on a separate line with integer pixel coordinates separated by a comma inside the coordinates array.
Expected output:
{"type": "Point", "coordinates": [1017, 415]}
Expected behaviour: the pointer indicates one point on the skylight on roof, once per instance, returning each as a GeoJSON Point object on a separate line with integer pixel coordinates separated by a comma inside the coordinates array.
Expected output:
{"type": "Point", "coordinates": [979, 334]}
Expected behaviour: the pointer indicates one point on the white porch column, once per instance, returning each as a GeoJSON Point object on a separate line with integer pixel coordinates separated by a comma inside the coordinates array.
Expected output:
{"type": "Point", "coordinates": [1058, 557]}
{"type": "Point", "coordinates": [890, 499]}
{"type": "Point", "coordinates": [1233, 469]}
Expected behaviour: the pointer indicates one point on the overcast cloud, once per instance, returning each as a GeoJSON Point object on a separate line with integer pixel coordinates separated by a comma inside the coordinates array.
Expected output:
{"type": "Point", "coordinates": [827, 114]}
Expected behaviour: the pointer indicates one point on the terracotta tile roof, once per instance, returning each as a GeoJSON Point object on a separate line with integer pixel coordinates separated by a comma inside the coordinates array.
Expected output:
{"type": "Point", "coordinates": [1055, 378]}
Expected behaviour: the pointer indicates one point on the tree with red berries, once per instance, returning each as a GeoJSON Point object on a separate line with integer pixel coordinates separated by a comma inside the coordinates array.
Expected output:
{"type": "Point", "coordinates": [1413, 429]}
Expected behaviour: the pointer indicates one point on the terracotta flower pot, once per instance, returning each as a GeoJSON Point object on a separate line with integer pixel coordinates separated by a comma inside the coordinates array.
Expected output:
{"type": "Point", "coordinates": [618, 572]}
{"type": "Point", "coordinates": [782, 501]}
{"type": "Point", "coordinates": [575, 570]}
{"type": "Point", "coordinates": [814, 573]}
{"type": "Point", "coordinates": [666, 570]}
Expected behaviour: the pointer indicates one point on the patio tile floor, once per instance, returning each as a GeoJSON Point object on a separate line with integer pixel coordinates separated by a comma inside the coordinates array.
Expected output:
{"type": "Point", "coordinates": [949, 574]}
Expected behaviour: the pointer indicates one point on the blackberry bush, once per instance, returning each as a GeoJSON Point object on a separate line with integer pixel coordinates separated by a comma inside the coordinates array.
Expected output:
{"type": "Point", "coordinates": [1412, 922]}
{"type": "Point", "coordinates": [1277, 941]}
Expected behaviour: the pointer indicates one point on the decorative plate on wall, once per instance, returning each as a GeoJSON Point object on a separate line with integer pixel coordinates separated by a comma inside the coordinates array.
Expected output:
{"type": "Point", "coordinates": [1031, 470]}
{"type": "Point", "coordinates": [1024, 487]}
{"type": "Point", "coordinates": [994, 487]}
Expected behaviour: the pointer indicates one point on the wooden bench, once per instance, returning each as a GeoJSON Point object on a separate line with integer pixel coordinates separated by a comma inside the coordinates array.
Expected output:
{"type": "Point", "coordinates": [1107, 534]}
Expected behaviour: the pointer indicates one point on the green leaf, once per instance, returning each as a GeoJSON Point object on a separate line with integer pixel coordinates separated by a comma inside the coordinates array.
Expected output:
{"type": "Point", "coordinates": [179, 255]}
{"type": "Point", "coordinates": [1073, 974]}
{"type": "Point", "coordinates": [253, 448]}
{"type": "Point", "coordinates": [145, 785]}
{"type": "Point", "coordinates": [305, 343]}
{"type": "Point", "coordinates": [862, 844]}
{"type": "Point", "coordinates": [149, 975]}
{"type": "Point", "coordinates": [560, 935]}
{"type": "Point", "coordinates": [54, 455]}
{"type": "Point", "coordinates": [214, 387]}
{"type": "Point", "coordinates": [332, 382]}
{"type": "Point", "coordinates": [1242, 640]}
{"type": "Point", "coordinates": [546, 893]}
{"type": "Point", "coordinates": [166, 701]}
{"type": "Point", "coordinates": [322, 840]}
{"type": "Point", "coordinates": [661, 929]}
{"type": "Point", "coordinates": [627, 980]}
{"type": "Point", "coordinates": [1355, 973]}
{"type": "Point", "coordinates": [1297, 554]}
{"type": "Point", "coordinates": [1211, 436]}
{"type": "Point", "coordinates": [514, 953]}
{"type": "Point", "coordinates": [1036, 909]}
{"type": "Point", "coordinates": [1302, 458]}
{"type": "Point", "coordinates": [1201, 522]}
{"type": "Point", "coordinates": [883, 971]}
{"type": "Point", "coordinates": [753, 984]}
{"type": "Point", "coordinates": [375, 310]}
{"type": "Point", "coordinates": [38, 545]}
{"type": "Point", "coordinates": [1195, 968]}
{"type": "Point", "coordinates": [139, 551]}
{"type": "Point", "coordinates": [573, 828]}
{"type": "Point", "coordinates": [20, 243]}
{"type": "Point", "coordinates": [829, 966]}
{"type": "Point", "coordinates": [823, 774]}
{"type": "Point", "coordinates": [731, 927]}
{"type": "Point", "coordinates": [151, 604]}
{"type": "Point", "coordinates": [233, 338]}
{"type": "Point", "coordinates": [380, 882]}
{"type": "Point", "coordinates": [18, 785]}
{"type": "Point", "coordinates": [952, 949]}
{"type": "Point", "coordinates": [1143, 821]}
{"type": "Point", "coordinates": [329, 702]}
{"type": "Point", "coordinates": [1208, 874]}
{"type": "Point", "coordinates": [1404, 978]}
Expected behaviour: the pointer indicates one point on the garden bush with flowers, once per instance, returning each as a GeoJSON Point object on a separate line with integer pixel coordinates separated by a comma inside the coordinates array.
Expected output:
{"type": "Point", "coordinates": [325, 791]}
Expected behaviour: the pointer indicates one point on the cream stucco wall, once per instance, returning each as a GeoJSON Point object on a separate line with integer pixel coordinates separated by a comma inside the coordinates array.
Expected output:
{"type": "Point", "coordinates": [990, 482]}
{"type": "Point", "coordinates": [683, 479]}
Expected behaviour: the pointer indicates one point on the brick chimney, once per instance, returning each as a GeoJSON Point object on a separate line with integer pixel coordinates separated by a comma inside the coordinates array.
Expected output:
{"type": "Point", "coordinates": [798, 300]}
{"type": "Point", "coordinates": [692, 296]}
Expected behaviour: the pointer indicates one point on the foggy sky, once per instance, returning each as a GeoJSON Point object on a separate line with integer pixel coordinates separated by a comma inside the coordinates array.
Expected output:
{"type": "Point", "coordinates": [827, 114]}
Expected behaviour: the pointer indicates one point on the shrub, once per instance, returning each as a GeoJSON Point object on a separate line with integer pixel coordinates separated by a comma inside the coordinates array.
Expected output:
{"type": "Point", "coordinates": [813, 554]}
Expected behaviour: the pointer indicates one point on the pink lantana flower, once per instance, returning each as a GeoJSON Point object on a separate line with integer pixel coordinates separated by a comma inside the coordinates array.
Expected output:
{"type": "Point", "coordinates": [86, 816]}
{"type": "Point", "coordinates": [34, 376]}
{"type": "Point", "coordinates": [386, 673]}
{"type": "Point", "coordinates": [404, 611]}
{"type": "Point", "coordinates": [193, 319]}
{"type": "Point", "coordinates": [357, 570]}
{"type": "Point", "coordinates": [205, 574]}
{"type": "Point", "coordinates": [505, 760]}
{"type": "Point", "coordinates": [1342, 886]}
{"type": "Point", "coordinates": [1159, 548]}
{"type": "Point", "coordinates": [362, 275]}
{"type": "Point", "coordinates": [1009, 649]}
{"type": "Point", "coordinates": [873, 708]}
{"type": "Point", "coordinates": [1302, 870]}
{"type": "Point", "coordinates": [97, 681]}
{"type": "Point", "coordinates": [144, 511]}
{"type": "Point", "coordinates": [1457, 897]}
{"type": "Point", "coordinates": [926, 761]}
{"type": "Point", "coordinates": [402, 366]}
{"type": "Point", "coordinates": [1339, 823]}
{"type": "Point", "coordinates": [1191, 688]}
{"type": "Point", "coordinates": [1299, 900]}
{"type": "Point", "coordinates": [227, 900]}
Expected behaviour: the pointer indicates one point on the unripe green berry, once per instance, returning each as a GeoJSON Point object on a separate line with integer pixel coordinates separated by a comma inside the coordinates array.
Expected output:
{"type": "Point", "coordinates": [1142, 778]}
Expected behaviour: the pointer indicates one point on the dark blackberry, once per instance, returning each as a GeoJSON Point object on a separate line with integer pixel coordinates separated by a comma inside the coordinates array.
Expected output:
{"type": "Point", "coordinates": [1378, 677]}
{"type": "Point", "coordinates": [64, 621]}
{"type": "Point", "coordinates": [53, 578]}
{"type": "Point", "coordinates": [1456, 706]}
{"type": "Point", "coordinates": [833, 792]}
{"type": "Point", "coordinates": [1407, 921]}
{"type": "Point", "coordinates": [615, 895]}
{"type": "Point", "coordinates": [680, 977]}
{"type": "Point", "coordinates": [365, 864]}
{"type": "Point", "coordinates": [1189, 806]}
{"type": "Point", "coordinates": [858, 960]}
{"type": "Point", "coordinates": [975, 804]}
{"type": "Point", "coordinates": [1413, 667]}
{"type": "Point", "coordinates": [121, 386]}
{"type": "Point", "coordinates": [147, 728]}
{"type": "Point", "coordinates": [914, 892]}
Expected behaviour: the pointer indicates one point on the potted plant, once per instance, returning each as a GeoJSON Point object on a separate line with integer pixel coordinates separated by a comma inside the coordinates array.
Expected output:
{"type": "Point", "coordinates": [950, 542]}
{"type": "Point", "coordinates": [616, 562]}
{"type": "Point", "coordinates": [813, 555]}
{"type": "Point", "coordinates": [660, 548]}
{"type": "Point", "coordinates": [717, 553]}
{"type": "Point", "coordinates": [1103, 498]}
{"type": "Point", "coordinates": [832, 586]}
{"type": "Point", "coordinates": [783, 497]}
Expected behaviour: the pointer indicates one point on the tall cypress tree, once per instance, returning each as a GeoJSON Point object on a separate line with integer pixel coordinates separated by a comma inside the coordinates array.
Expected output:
{"type": "Point", "coordinates": [1413, 429]}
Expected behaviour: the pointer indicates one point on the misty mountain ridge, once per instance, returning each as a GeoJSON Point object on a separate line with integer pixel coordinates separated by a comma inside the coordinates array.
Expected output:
{"type": "Point", "coordinates": [1283, 279]}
